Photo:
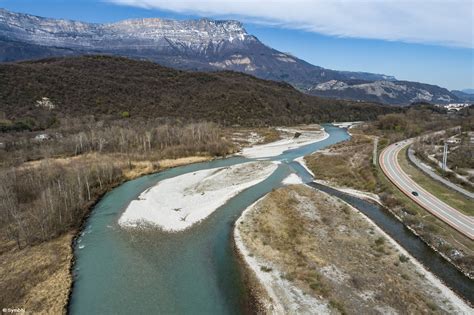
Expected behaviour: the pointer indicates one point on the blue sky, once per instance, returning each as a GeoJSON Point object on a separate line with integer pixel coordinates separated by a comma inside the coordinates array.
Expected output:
{"type": "Point", "coordinates": [441, 55]}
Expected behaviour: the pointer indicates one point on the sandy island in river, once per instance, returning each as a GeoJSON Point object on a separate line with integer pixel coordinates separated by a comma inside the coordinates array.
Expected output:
{"type": "Point", "coordinates": [177, 203]}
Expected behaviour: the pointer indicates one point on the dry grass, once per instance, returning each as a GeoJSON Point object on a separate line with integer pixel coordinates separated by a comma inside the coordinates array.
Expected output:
{"type": "Point", "coordinates": [268, 134]}
{"type": "Point", "coordinates": [348, 164]}
{"type": "Point", "coordinates": [244, 137]}
{"type": "Point", "coordinates": [36, 278]}
{"type": "Point", "coordinates": [449, 196]}
{"type": "Point", "coordinates": [435, 232]}
{"type": "Point", "coordinates": [329, 250]}
{"type": "Point", "coordinates": [140, 168]}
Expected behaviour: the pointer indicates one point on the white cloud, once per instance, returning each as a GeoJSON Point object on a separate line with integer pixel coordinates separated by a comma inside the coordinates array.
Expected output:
{"type": "Point", "coordinates": [442, 22]}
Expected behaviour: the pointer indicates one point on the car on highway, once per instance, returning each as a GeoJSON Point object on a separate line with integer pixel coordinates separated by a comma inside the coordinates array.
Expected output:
{"type": "Point", "coordinates": [414, 193]}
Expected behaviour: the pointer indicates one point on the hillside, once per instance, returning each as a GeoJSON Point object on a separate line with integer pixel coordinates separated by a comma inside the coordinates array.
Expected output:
{"type": "Point", "coordinates": [200, 45]}
{"type": "Point", "coordinates": [110, 86]}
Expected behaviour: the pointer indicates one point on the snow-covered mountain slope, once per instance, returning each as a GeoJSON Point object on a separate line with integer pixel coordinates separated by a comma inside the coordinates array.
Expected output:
{"type": "Point", "coordinates": [203, 44]}
{"type": "Point", "coordinates": [196, 35]}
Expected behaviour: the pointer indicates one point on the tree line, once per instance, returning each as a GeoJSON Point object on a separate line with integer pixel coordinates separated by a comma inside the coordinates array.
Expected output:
{"type": "Point", "coordinates": [40, 200]}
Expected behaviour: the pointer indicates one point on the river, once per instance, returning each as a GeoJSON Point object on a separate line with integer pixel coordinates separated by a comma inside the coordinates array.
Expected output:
{"type": "Point", "coordinates": [119, 271]}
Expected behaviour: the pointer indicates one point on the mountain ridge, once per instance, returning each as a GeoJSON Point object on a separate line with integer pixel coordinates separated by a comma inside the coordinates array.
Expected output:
{"type": "Point", "coordinates": [198, 45]}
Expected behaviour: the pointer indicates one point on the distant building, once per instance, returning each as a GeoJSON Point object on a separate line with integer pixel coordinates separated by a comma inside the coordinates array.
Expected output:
{"type": "Point", "coordinates": [455, 106]}
{"type": "Point", "coordinates": [45, 103]}
{"type": "Point", "coordinates": [42, 137]}
{"type": "Point", "coordinates": [453, 140]}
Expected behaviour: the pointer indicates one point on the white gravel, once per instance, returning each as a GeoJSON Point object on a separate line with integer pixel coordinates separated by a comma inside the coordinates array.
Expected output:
{"type": "Point", "coordinates": [177, 203]}
{"type": "Point", "coordinates": [292, 179]}
{"type": "Point", "coordinates": [288, 142]}
{"type": "Point", "coordinates": [303, 163]}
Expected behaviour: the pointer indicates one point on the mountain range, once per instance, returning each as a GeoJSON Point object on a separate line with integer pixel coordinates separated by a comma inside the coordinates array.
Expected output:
{"type": "Point", "coordinates": [466, 95]}
{"type": "Point", "coordinates": [202, 45]}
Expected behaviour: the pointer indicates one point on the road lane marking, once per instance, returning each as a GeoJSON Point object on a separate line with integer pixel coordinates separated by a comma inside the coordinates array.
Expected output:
{"type": "Point", "coordinates": [389, 163]}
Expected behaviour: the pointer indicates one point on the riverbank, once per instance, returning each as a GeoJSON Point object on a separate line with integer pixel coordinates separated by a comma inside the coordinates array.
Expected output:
{"type": "Point", "coordinates": [39, 277]}
{"type": "Point", "coordinates": [297, 239]}
{"type": "Point", "coordinates": [275, 293]}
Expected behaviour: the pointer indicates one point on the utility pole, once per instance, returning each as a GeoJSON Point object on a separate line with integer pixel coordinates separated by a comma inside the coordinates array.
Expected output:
{"type": "Point", "coordinates": [445, 156]}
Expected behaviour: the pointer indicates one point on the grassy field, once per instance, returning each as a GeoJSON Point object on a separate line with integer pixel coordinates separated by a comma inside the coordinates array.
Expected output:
{"type": "Point", "coordinates": [449, 196]}
{"type": "Point", "coordinates": [331, 252]}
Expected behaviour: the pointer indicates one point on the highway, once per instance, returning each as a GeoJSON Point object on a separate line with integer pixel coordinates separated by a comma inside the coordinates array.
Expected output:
{"type": "Point", "coordinates": [390, 166]}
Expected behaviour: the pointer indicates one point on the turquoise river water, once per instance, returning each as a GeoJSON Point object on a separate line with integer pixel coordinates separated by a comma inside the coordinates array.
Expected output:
{"type": "Point", "coordinates": [153, 272]}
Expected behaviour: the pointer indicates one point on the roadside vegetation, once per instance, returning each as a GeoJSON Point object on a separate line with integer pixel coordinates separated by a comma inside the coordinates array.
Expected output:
{"type": "Point", "coordinates": [449, 196]}
{"type": "Point", "coordinates": [349, 165]}
{"type": "Point", "coordinates": [417, 120]}
{"type": "Point", "coordinates": [460, 161]}
{"type": "Point", "coordinates": [330, 251]}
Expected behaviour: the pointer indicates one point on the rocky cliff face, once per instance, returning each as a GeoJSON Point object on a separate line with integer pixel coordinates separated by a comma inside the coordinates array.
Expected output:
{"type": "Point", "coordinates": [389, 92]}
{"type": "Point", "coordinates": [195, 35]}
{"type": "Point", "coordinates": [204, 45]}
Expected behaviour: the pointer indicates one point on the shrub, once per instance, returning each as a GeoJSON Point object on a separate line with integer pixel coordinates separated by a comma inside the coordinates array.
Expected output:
{"type": "Point", "coordinates": [403, 258]}
{"type": "Point", "coordinates": [337, 305]}
{"type": "Point", "coordinates": [380, 241]}
{"type": "Point", "coordinates": [266, 269]}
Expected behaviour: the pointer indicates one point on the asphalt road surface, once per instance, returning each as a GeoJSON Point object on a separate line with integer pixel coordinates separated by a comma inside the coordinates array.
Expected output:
{"type": "Point", "coordinates": [390, 166]}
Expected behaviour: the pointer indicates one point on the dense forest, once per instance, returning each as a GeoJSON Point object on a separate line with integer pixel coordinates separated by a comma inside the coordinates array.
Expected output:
{"type": "Point", "coordinates": [118, 87]}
